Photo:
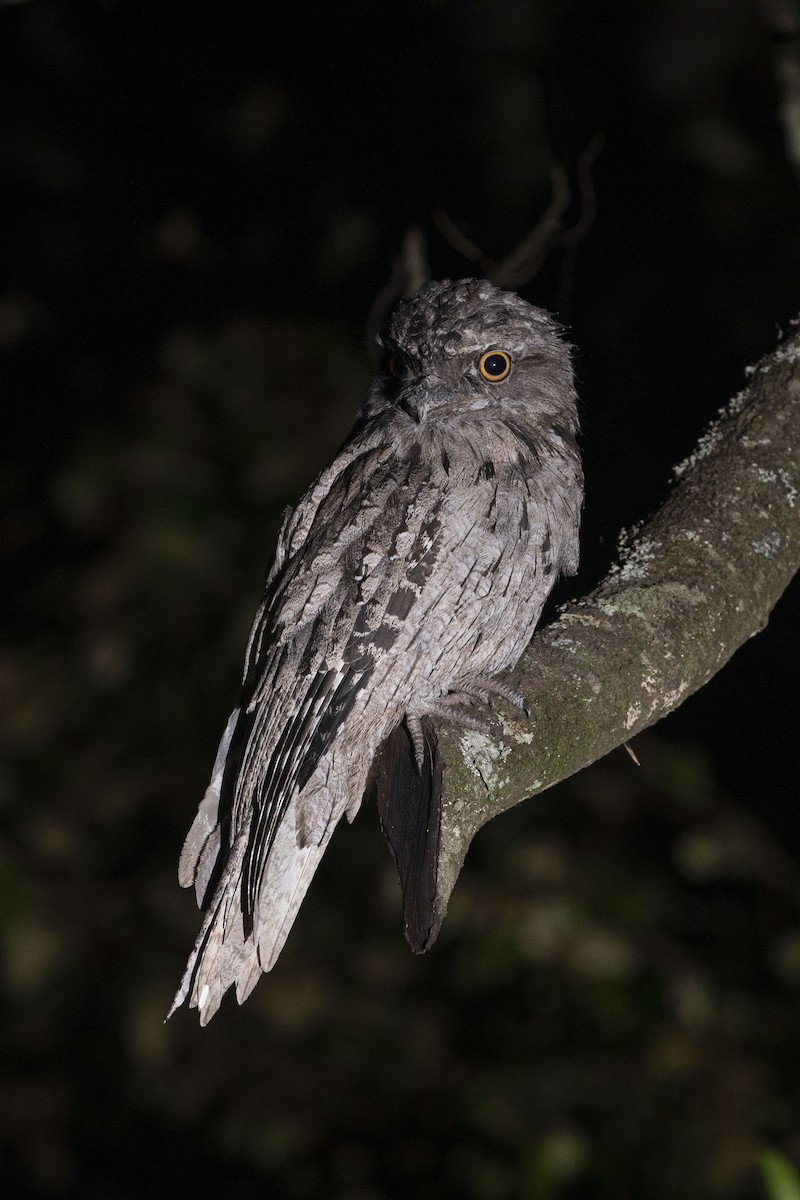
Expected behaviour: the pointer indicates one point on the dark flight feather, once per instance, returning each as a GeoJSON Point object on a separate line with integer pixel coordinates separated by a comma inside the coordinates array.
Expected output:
{"type": "Point", "coordinates": [410, 808]}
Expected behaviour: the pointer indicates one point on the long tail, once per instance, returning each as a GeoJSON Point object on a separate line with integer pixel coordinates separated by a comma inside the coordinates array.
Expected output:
{"type": "Point", "coordinates": [222, 956]}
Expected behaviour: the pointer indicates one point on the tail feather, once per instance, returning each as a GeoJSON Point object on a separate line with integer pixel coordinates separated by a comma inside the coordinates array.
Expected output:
{"type": "Point", "coordinates": [289, 872]}
{"type": "Point", "coordinates": [410, 806]}
{"type": "Point", "coordinates": [211, 968]}
{"type": "Point", "coordinates": [231, 951]}
{"type": "Point", "coordinates": [201, 848]}
{"type": "Point", "coordinates": [222, 956]}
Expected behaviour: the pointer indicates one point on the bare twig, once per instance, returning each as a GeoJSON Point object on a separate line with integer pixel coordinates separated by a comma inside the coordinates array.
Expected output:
{"type": "Point", "coordinates": [586, 192]}
{"type": "Point", "coordinates": [782, 18]}
{"type": "Point", "coordinates": [461, 243]}
{"type": "Point", "coordinates": [632, 753]}
{"type": "Point", "coordinates": [409, 272]}
{"type": "Point", "coordinates": [524, 262]}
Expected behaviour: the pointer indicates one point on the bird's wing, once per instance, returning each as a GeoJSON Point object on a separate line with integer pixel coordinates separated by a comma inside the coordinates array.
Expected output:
{"type": "Point", "coordinates": [335, 601]}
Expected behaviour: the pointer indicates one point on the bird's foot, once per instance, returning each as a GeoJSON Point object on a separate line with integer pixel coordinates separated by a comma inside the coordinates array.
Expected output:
{"type": "Point", "coordinates": [466, 704]}
{"type": "Point", "coordinates": [417, 735]}
{"type": "Point", "coordinates": [484, 687]}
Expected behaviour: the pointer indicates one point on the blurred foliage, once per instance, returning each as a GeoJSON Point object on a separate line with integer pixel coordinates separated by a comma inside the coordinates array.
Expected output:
{"type": "Point", "coordinates": [781, 1179]}
{"type": "Point", "coordinates": [199, 207]}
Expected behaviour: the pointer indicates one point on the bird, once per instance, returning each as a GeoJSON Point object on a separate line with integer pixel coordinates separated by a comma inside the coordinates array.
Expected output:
{"type": "Point", "coordinates": [409, 577]}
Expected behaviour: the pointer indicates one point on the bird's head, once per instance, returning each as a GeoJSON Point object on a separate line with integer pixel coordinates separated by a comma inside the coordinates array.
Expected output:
{"type": "Point", "coordinates": [460, 348]}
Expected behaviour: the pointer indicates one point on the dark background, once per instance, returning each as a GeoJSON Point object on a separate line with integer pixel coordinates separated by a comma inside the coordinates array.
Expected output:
{"type": "Point", "coordinates": [198, 207]}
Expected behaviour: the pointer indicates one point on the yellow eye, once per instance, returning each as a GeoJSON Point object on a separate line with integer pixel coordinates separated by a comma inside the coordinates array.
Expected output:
{"type": "Point", "coordinates": [494, 365]}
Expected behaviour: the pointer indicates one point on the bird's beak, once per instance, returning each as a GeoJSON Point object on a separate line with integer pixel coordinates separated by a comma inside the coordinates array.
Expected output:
{"type": "Point", "coordinates": [418, 398]}
{"type": "Point", "coordinates": [414, 402]}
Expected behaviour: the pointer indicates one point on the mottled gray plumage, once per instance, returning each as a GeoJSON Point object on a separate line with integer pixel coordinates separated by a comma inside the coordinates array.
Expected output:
{"type": "Point", "coordinates": [413, 571]}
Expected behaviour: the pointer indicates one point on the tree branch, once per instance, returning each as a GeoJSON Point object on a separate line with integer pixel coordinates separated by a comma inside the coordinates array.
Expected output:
{"type": "Point", "coordinates": [694, 583]}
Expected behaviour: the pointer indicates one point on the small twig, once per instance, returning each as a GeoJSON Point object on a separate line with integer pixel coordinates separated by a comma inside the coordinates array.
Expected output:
{"type": "Point", "coordinates": [413, 261]}
{"type": "Point", "coordinates": [632, 753]}
{"type": "Point", "coordinates": [782, 18]}
{"type": "Point", "coordinates": [409, 272]}
{"type": "Point", "coordinates": [461, 244]}
{"type": "Point", "coordinates": [586, 191]}
{"type": "Point", "coordinates": [525, 261]}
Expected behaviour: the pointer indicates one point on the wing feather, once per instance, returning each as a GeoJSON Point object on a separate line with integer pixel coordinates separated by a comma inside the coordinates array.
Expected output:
{"type": "Point", "coordinates": [310, 654]}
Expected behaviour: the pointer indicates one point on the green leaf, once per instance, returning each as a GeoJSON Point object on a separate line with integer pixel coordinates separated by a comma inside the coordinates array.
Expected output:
{"type": "Point", "coordinates": [780, 1176]}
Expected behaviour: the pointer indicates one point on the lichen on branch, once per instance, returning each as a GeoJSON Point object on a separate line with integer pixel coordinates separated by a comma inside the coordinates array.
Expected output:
{"type": "Point", "coordinates": [691, 585]}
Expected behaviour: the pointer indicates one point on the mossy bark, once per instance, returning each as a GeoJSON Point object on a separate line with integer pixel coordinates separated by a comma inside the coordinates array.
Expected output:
{"type": "Point", "coordinates": [694, 582]}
